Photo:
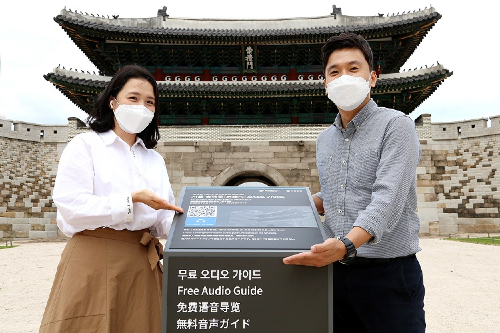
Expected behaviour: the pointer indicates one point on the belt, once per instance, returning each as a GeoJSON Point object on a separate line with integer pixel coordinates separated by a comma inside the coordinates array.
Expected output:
{"type": "Point", "coordinates": [143, 237]}
{"type": "Point", "coordinates": [375, 261]}
{"type": "Point", "coordinates": [155, 250]}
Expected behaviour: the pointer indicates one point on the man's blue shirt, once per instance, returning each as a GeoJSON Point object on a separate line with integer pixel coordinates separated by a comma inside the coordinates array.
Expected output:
{"type": "Point", "coordinates": [367, 174]}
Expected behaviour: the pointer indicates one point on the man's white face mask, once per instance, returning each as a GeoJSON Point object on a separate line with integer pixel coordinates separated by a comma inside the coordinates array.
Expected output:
{"type": "Point", "coordinates": [348, 92]}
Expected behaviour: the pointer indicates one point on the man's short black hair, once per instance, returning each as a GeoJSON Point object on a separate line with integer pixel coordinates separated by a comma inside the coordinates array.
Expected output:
{"type": "Point", "coordinates": [346, 40]}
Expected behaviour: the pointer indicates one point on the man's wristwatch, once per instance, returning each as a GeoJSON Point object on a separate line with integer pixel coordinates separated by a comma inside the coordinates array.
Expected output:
{"type": "Point", "coordinates": [351, 249]}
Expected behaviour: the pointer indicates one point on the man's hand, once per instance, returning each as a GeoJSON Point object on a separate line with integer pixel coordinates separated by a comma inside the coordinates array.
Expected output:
{"type": "Point", "coordinates": [148, 197]}
{"type": "Point", "coordinates": [329, 251]}
{"type": "Point", "coordinates": [321, 255]}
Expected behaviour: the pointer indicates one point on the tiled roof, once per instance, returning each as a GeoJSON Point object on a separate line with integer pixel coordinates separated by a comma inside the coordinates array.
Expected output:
{"type": "Point", "coordinates": [388, 81]}
{"type": "Point", "coordinates": [384, 82]}
{"type": "Point", "coordinates": [402, 91]}
{"type": "Point", "coordinates": [157, 27]}
{"type": "Point", "coordinates": [158, 40]}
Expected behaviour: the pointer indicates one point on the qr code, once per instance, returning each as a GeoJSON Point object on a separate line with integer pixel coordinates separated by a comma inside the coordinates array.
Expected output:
{"type": "Point", "coordinates": [202, 211]}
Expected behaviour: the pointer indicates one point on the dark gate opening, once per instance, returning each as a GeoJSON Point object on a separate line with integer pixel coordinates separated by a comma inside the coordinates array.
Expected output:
{"type": "Point", "coordinates": [250, 179]}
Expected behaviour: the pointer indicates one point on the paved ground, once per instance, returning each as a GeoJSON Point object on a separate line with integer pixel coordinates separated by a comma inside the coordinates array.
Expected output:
{"type": "Point", "coordinates": [462, 285]}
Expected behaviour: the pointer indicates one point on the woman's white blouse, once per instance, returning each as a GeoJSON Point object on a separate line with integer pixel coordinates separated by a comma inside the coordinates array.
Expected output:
{"type": "Point", "coordinates": [95, 179]}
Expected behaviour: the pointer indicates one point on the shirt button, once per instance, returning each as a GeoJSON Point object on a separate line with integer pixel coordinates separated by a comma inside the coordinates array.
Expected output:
{"type": "Point", "coordinates": [340, 211]}
{"type": "Point", "coordinates": [342, 186]}
{"type": "Point", "coordinates": [346, 139]}
{"type": "Point", "coordinates": [344, 162]}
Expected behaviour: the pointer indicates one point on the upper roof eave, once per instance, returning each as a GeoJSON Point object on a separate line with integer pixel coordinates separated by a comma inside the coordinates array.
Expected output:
{"type": "Point", "coordinates": [250, 27]}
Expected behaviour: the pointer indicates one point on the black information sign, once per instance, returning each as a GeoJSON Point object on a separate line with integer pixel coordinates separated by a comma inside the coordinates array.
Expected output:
{"type": "Point", "coordinates": [223, 263]}
{"type": "Point", "coordinates": [246, 218]}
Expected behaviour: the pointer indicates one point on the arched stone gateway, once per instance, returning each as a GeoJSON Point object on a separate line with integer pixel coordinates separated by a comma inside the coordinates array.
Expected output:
{"type": "Point", "coordinates": [246, 171]}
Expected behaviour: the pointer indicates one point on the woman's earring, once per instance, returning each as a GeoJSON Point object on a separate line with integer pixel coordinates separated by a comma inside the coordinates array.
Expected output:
{"type": "Point", "coordinates": [111, 104]}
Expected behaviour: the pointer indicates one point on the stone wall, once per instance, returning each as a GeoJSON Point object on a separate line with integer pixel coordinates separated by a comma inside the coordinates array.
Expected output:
{"type": "Point", "coordinates": [215, 163]}
{"type": "Point", "coordinates": [28, 172]}
{"type": "Point", "coordinates": [33, 132]}
{"type": "Point", "coordinates": [458, 182]}
{"type": "Point", "coordinates": [458, 175]}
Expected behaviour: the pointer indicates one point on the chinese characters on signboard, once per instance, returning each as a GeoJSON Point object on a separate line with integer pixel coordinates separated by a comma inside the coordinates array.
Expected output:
{"type": "Point", "coordinates": [214, 310]}
{"type": "Point", "coordinates": [222, 292]}
{"type": "Point", "coordinates": [249, 59]}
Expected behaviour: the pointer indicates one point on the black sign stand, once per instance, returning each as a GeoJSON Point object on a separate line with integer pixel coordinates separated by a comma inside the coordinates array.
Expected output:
{"type": "Point", "coordinates": [223, 263]}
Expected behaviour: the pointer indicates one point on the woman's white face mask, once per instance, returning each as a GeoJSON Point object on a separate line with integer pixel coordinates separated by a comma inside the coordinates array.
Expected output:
{"type": "Point", "coordinates": [348, 92]}
{"type": "Point", "coordinates": [133, 119]}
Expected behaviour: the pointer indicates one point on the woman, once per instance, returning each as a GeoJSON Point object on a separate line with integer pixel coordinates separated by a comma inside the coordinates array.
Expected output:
{"type": "Point", "coordinates": [113, 197]}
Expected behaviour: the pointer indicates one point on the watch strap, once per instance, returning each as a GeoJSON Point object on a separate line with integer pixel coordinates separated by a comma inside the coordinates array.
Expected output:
{"type": "Point", "coordinates": [351, 249]}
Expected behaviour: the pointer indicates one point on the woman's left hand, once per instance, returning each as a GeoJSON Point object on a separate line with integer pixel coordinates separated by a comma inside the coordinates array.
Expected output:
{"type": "Point", "coordinates": [148, 197]}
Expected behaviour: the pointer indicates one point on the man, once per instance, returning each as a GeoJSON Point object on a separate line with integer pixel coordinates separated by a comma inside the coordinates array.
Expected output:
{"type": "Point", "coordinates": [367, 164]}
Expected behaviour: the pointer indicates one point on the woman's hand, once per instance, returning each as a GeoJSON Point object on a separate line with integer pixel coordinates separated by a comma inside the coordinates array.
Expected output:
{"type": "Point", "coordinates": [147, 197]}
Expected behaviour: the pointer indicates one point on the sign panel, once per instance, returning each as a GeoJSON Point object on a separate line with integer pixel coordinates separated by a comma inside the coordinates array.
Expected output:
{"type": "Point", "coordinates": [223, 263]}
{"type": "Point", "coordinates": [246, 218]}
{"type": "Point", "coordinates": [245, 293]}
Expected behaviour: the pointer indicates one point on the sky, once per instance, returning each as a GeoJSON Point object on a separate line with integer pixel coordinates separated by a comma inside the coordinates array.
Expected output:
{"type": "Point", "coordinates": [33, 44]}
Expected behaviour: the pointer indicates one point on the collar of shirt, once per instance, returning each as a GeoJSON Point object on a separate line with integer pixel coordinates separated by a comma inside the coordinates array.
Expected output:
{"type": "Point", "coordinates": [359, 118]}
{"type": "Point", "coordinates": [110, 136]}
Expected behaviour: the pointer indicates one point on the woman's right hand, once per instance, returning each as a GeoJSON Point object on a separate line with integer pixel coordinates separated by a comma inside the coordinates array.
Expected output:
{"type": "Point", "coordinates": [148, 197]}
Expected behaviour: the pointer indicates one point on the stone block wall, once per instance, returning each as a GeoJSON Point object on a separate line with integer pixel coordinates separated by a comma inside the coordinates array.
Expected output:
{"type": "Point", "coordinates": [215, 163]}
{"type": "Point", "coordinates": [458, 182]}
{"type": "Point", "coordinates": [465, 129]}
{"type": "Point", "coordinates": [423, 126]}
{"type": "Point", "coordinates": [33, 132]}
{"type": "Point", "coordinates": [75, 127]}
{"type": "Point", "coordinates": [28, 172]}
{"type": "Point", "coordinates": [458, 175]}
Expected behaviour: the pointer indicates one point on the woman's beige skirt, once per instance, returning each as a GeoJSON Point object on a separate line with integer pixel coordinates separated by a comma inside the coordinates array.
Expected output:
{"type": "Point", "coordinates": [106, 281]}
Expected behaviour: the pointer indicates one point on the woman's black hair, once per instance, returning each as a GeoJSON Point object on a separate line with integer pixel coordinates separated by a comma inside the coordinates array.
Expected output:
{"type": "Point", "coordinates": [101, 118]}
